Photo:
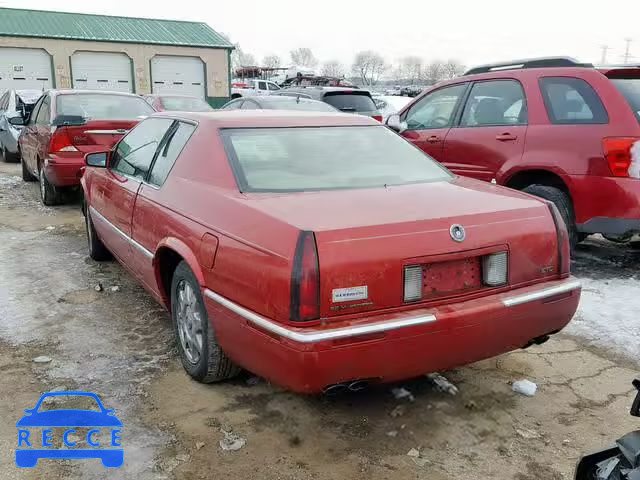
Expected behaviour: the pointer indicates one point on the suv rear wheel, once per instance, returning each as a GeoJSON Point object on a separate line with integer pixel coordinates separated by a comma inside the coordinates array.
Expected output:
{"type": "Point", "coordinates": [562, 201]}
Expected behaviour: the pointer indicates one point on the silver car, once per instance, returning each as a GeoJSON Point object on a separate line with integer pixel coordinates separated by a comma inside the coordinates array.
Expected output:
{"type": "Point", "coordinates": [14, 103]}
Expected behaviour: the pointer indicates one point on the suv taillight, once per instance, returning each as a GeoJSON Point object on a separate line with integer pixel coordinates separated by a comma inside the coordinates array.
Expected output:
{"type": "Point", "coordinates": [377, 117]}
{"type": "Point", "coordinates": [60, 141]}
{"type": "Point", "coordinates": [623, 155]}
{"type": "Point", "coordinates": [305, 280]}
{"type": "Point", "coordinates": [564, 247]}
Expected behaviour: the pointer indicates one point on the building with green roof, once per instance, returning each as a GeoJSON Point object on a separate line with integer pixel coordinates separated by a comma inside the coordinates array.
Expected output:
{"type": "Point", "coordinates": [44, 49]}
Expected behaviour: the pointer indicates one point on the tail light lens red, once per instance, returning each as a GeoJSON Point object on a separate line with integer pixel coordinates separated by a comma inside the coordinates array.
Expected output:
{"type": "Point", "coordinates": [377, 117]}
{"type": "Point", "coordinates": [305, 280]}
{"type": "Point", "coordinates": [622, 154]}
{"type": "Point", "coordinates": [60, 141]}
{"type": "Point", "coordinates": [564, 247]}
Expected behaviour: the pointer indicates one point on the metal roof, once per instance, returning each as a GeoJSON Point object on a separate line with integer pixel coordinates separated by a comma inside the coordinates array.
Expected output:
{"type": "Point", "coordinates": [104, 28]}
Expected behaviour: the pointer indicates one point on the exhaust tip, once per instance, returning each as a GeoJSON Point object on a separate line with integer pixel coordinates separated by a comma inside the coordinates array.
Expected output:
{"type": "Point", "coordinates": [358, 385]}
{"type": "Point", "coordinates": [336, 389]}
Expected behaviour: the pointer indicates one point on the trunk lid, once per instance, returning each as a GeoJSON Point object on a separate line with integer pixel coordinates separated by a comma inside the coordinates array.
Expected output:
{"type": "Point", "coordinates": [96, 134]}
{"type": "Point", "coordinates": [366, 238]}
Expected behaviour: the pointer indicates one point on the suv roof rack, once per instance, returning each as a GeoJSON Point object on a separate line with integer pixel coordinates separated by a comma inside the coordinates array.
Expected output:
{"type": "Point", "coordinates": [544, 62]}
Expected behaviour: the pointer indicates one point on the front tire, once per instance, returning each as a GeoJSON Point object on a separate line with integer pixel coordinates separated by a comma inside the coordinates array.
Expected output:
{"type": "Point", "coordinates": [562, 201]}
{"type": "Point", "coordinates": [201, 355]}
{"type": "Point", "coordinates": [49, 194]}
{"type": "Point", "coordinates": [97, 250]}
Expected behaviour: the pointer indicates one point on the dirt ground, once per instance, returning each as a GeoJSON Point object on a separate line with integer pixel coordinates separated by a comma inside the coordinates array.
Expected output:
{"type": "Point", "coordinates": [119, 345]}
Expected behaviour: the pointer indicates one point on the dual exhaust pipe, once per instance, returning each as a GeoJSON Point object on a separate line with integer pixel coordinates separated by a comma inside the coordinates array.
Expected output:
{"type": "Point", "coordinates": [340, 388]}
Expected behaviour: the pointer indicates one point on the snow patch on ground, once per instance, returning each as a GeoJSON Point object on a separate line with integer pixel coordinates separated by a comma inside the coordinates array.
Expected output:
{"type": "Point", "coordinates": [609, 315]}
{"type": "Point", "coordinates": [9, 181]}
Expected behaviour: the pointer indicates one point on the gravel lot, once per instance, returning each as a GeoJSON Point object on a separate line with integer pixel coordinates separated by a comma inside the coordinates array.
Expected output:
{"type": "Point", "coordinates": [119, 345]}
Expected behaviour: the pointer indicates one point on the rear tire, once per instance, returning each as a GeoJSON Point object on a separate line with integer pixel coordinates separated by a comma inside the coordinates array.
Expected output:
{"type": "Point", "coordinates": [26, 174]}
{"type": "Point", "coordinates": [97, 250]}
{"type": "Point", "coordinates": [563, 203]}
{"type": "Point", "coordinates": [201, 355]}
{"type": "Point", "coordinates": [49, 194]}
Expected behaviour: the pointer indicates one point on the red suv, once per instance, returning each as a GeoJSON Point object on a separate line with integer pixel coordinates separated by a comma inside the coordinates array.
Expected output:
{"type": "Point", "coordinates": [67, 124]}
{"type": "Point", "coordinates": [564, 131]}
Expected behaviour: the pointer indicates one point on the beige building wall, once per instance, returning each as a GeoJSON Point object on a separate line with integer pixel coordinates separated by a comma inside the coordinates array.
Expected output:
{"type": "Point", "coordinates": [215, 59]}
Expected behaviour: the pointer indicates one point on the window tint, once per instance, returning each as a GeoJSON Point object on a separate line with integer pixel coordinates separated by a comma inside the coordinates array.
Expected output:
{"type": "Point", "coordinates": [44, 113]}
{"type": "Point", "coordinates": [326, 158]}
{"type": "Point", "coordinates": [350, 101]}
{"type": "Point", "coordinates": [436, 109]}
{"type": "Point", "coordinates": [173, 145]}
{"type": "Point", "coordinates": [136, 150]}
{"type": "Point", "coordinates": [572, 101]}
{"type": "Point", "coordinates": [103, 106]}
{"type": "Point", "coordinates": [630, 89]}
{"type": "Point", "coordinates": [499, 102]}
{"type": "Point", "coordinates": [249, 105]}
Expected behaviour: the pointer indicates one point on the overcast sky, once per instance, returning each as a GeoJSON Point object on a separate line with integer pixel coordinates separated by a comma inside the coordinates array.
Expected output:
{"type": "Point", "coordinates": [474, 32]}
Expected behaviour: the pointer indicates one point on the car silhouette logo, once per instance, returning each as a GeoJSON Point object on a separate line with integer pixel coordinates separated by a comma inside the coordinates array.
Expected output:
{"type": "Point", "coordinates": [108, 449]}
{"type": "Point", "coordinates": [457, 233]}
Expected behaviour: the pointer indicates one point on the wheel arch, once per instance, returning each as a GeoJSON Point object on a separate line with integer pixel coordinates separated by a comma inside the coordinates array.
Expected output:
{"type": "Point", "coordinates": [539, 176]}
{"type": "Point", "coordinates": [168, 255]}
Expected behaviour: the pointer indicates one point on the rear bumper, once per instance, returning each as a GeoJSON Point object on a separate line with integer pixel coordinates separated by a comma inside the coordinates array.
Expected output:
{"type": "Point", "coordinates": [391, 347]}
{"type": "Point", "coordinates": [64, 171]}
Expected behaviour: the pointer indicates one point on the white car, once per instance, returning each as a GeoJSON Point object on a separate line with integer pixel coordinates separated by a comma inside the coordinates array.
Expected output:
{"type": "Point", "coordinates": [390, 104]}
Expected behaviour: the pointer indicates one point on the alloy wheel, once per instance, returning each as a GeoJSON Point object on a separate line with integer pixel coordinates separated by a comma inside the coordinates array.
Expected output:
{"type": "Point", "coordinates": [189, 322]}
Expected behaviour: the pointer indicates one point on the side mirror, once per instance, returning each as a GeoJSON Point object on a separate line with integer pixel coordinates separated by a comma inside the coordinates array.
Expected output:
{"type": "Point", "coordinates": [97, 159]}
{"type": "Point", "coordinates": [394, 123]}
{"type": "Point", "coordinates": [17, 121]}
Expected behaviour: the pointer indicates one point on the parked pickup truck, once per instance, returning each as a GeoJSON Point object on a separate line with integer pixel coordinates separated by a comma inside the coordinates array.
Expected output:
{"type": "Point", "coordinates": [249, 88]}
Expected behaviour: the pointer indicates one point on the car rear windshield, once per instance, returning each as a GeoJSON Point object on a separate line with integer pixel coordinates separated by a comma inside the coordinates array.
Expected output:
{"type": "Point", "coordinates": [325, 158]}
{"type": "Point", "coordinates": [185, 104]}
{"type": "Point", "coordinates": [630, 88]}
{"type": "Point", "coordinates": [288, 103]}
{"type": "Point", "coordinates": [102, 106]}
{"type": "Point", "coordinates": [350, 101]}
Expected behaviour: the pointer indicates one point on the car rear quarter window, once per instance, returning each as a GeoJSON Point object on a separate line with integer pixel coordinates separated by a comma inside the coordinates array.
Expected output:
{"type": "Point", "coordinates": [572, 101]}
{"type": "Point", "coordinates": [176, 139]}
{"type": "Point", "coordinates": [630, 89]}
{"type": "Point", "coordinates": [135, 152]}
{"type": "Point", "coordinates": [325, 158]}
{"type": "Point", "coordinates": [495, 102]}
{"type": "Point", "coordinates": [357, 102]}
{"type": "Point", "coordinates": [100, 106]}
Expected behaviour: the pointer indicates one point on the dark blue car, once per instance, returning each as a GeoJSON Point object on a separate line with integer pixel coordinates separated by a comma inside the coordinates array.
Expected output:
{"type": "Point", "coordinates": [69, 418]}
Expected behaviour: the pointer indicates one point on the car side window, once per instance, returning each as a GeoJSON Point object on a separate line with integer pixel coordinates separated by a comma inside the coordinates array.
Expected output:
{"type": "Point", "coordinates": [175, 141]}
{"type": "Point", "coordinates": [44, 113]}
{"type": "Point", "coordinates": [249, 105]}
{"type": "Point", "coordinates": [273, 86]}
{"type": "Point", "coordinates": [233, 105]}
{"type": "Point", "coordinates": [495, 102]}
{"type": "Point", "coordinates": [262, 85]}
{"type": "Point", "coordinates": [572, 101]}
{"type": "Point", "coordinates": [34, 112]}
{"type": "Point", "coordinates": [135, 152]}
{"type": "Point", "coordinates": [436, 109]}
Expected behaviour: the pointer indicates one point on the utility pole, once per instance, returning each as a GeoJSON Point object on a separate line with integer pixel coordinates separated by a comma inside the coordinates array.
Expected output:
{"type": "Point", "coordinates": [603, 60]}
{"type": "Point", "coordinates": [627, 55]}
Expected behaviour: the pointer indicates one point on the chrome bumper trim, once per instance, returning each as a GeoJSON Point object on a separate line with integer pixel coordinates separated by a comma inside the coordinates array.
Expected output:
{"type": "Point", "coordinates": [318, 335]}
{"type": "Point", "coordinates": [544, 293]}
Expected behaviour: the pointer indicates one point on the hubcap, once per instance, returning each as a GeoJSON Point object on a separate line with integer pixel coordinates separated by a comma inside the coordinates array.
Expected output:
{"type": "Point", "coordinates": [189, 322]}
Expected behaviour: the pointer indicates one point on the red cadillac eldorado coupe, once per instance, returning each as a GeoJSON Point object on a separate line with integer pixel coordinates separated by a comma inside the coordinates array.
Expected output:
{"type": "Point", "coordinates": [319, 250]}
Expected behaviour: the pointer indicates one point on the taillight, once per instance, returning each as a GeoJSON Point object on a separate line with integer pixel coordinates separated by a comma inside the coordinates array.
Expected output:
{"type": "Point", "coordinates": [305, 280]}
{"type": "Point", "coordinates": [495, 269]}
{"type": "Point", "coordinates": [412, 283]}
{"type": "Point", "coordinates": [623, 155]}
{"type": "Point", "coordinates": [377, 117]}
{"type": "Point", "coordinates": [60, 141]}
{"type": "Point", "coordinates": [564, 248]}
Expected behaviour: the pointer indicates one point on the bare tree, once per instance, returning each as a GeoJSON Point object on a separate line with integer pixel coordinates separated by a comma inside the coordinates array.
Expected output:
{"type": "Point", "coordinates": [333, 68]}
{"type": "Point", "coordinates": [303, 57]}
{"type": "Point", "coordinates": [434, 72]}
{"type": "Point", "coordinates": [239, 58]}
{"type": "Point", "coordinates": [411, 68]}
{"type": "Point", "coordinates": [271, 61]}
{"type": "Point", "coordinates": [369, 66]}
{"type": "Point", "coordinates": [452, 68]}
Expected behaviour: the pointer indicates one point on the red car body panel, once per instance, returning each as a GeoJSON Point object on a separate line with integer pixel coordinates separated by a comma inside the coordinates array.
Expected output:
{"type": "Point", "coordinates": [62, 168]}
{"type": "Point", "coordinates": [573, 152]}
{"type": "Point", "coordinates": [241, 246]}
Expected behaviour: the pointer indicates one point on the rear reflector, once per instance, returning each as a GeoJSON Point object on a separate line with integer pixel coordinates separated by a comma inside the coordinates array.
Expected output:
{"type": "Point", "coordinates": [494, 269]}
{"type": "Point", "coordinates": [622, 156]}
{"type": "Point", "coordinates": [305, 280]}
{"type": "Point", "coordinates": [412, 283]}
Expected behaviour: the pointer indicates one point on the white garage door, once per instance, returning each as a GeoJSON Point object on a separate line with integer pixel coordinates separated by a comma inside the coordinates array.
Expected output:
{"type": "Point", "coordinates": [179, 75]}
{"type": "Point", "coordinates": [25, 68]}
{"type": "Point", "coordinates": [101, 71]}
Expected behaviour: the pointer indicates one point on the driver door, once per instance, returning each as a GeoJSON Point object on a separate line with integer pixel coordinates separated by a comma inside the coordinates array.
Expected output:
{"type": "Point", "coordinates": [430, 118]}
